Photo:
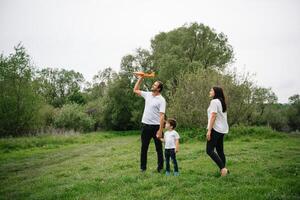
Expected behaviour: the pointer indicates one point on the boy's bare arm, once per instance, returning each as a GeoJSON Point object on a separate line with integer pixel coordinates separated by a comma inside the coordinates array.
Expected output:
{"type": "Point", "coordinates": [177, 145]}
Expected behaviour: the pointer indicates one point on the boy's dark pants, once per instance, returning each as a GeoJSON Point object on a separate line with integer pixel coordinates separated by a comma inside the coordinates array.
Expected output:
{"type": "Point", "coordinates": [170, 153]}
{"type": "Point", "coordinates": [148, 132]}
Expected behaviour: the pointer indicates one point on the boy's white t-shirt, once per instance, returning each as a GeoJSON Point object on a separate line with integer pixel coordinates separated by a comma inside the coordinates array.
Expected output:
{"type": "Point", "coordinates": [220, 124]}
{"type": "Point", "coordinates": [153, 106]}
{"type": "Point", "coordinates": [170, 139]}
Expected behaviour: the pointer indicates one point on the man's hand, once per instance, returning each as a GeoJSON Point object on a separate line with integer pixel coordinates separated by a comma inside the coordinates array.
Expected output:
{"type": "Point", "coordinates": [208, 135]}
{"type": "Point", "coordinates": [159, 134]}
{"type": "Point", "coordinates": [176, 150]}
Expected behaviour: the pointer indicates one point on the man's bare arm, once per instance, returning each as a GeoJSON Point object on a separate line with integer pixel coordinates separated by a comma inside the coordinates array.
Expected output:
{"type": "Point", "coordinates": [161, 125]}
{"type": "Point", "coordinates": [136, 88]}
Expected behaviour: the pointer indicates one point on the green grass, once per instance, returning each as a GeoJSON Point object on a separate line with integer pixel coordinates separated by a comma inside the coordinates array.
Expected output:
{"type": "Point", "coordinates": [106, 166]}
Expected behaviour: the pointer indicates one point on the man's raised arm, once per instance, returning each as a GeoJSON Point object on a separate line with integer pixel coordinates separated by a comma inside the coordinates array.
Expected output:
{"type": "Point", "coordinates": [136, 88]}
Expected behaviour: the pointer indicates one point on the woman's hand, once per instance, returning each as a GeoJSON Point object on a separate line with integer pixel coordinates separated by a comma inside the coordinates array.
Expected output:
{"type": "Point", "coordinates": [208, 135]}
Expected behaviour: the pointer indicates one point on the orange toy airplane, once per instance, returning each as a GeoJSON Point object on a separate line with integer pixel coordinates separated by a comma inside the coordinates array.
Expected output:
{"type": "Point", "coordinates": [143, 74]}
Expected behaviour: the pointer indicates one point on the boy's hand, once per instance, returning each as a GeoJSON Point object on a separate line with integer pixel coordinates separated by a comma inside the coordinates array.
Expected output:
{"type": "Point", "coordinates": [176, 150]}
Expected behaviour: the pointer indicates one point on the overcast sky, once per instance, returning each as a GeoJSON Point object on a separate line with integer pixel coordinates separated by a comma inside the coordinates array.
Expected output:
{"type": "Point", "coordinates": [89, 35]}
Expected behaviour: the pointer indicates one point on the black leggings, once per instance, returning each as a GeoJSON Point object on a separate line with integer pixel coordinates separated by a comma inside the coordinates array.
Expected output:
{"type": "Point", "coordinates": [216, 141]}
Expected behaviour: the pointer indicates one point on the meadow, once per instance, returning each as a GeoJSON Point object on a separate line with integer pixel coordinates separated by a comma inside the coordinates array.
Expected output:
{"type": "Point", "coordinates": [105, 165]}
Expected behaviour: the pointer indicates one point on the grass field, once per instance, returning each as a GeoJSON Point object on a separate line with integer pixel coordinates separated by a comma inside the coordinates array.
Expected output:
{"type": "Point", "coordinates": [106, 166]}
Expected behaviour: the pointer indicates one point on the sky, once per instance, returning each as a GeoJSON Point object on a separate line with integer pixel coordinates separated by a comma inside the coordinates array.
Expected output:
{"type": "Point", "coordinates": [90, 35]}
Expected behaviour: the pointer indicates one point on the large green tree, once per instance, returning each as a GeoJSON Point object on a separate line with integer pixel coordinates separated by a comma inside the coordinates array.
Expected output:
{"type": "Point", "coordinates": [122, 107]}
{"type": "Point", "coordinates": [59, 86]}
{"type": "Point", "coordinates": [19, 103]}
{"type": "Point", "coordinates": [189, 48]}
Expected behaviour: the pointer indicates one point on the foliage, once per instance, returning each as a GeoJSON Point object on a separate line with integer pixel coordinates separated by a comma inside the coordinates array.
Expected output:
{"type": "Point", "coordinates": [72, 117]}
{"type": "Point", "coordinates": [19, 103]}
{"type": "Point", "coordinates": [60, 86]}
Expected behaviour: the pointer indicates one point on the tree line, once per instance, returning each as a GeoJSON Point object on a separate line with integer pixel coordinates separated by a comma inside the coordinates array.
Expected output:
{"type": "Point", "coordinates": [189, 60]}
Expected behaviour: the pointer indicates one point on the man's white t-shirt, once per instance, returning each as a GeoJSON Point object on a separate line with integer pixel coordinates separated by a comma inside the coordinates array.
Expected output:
{"type": "Point", "coordinates": [170, 138]}
{"type": "Point", "coordinates": [153, 106]}
{"type": "Point", "coordinates": [220, 124]}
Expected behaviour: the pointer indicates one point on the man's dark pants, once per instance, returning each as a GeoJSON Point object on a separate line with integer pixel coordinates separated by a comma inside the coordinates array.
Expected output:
{"type": "Point", "coordinates": [148, 132]}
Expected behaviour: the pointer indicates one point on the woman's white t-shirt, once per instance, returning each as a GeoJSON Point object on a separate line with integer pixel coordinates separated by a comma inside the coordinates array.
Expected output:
{"type": "Point", "coordinates": [220, 124]}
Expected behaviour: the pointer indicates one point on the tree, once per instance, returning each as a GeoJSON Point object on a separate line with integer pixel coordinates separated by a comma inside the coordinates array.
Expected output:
{"type": "Point", "coordinates": [100, 84]}
{"type": "Point", "coordinates": [140, 61]}
{"type": "Point", "coordinates": [122, 108]}
{"type": "Point", "coordinates": [60, 86]}
{"type": "Point", "coordinates": [189, 48]}
{"type": "Point", "coordinates": [19, 103]}
{"type": "Point", "coordinates": [190, 101]}
{"type": "Point", "coordinates": [294, 112]}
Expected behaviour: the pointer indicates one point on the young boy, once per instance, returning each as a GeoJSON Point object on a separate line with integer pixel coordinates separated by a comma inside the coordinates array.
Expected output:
{"type": "Point", "coordinates": [171, 140]}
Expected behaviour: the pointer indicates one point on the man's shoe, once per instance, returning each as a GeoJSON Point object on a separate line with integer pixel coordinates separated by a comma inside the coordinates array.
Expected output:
{"type": "Point", "coordinates": [143, 170]}
{"type": "Point", "coordinates": [176, 173]}
{"type": "Point", "coordinates": [167, 173]}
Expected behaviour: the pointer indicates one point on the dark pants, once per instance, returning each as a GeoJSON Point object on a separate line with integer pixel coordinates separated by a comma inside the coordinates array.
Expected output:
{"type": "Point", "coordinates": [216, 141]}
{"type": "Point", "coordinates": [148, 132]}
{"type": "Point", "coordinates": [170, 153]}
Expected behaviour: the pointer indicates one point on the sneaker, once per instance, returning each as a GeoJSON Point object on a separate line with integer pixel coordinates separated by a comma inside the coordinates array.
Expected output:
{"type": "Point", "coordinates": [176, 173]}
{"type": "Point", "coordinates": [167, 173]}
{"type": "Point", "coordinates": [143, 170]}
{"type": "Point", "coordinates": [159, 170]}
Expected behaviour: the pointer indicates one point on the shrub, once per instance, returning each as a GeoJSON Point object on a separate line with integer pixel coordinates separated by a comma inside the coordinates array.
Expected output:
{"type": "Point", "coordinates": [72, 117]}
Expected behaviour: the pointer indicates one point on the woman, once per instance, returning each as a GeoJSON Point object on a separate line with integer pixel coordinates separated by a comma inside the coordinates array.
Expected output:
{"type": "Point", "coordinates": [217, 127]}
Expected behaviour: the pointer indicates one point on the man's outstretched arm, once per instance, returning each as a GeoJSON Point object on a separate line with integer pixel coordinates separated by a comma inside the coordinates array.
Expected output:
{"type": "Point", "coordinates": [136, 88]}
{"type": "Point", "coordinates": [161, 125]}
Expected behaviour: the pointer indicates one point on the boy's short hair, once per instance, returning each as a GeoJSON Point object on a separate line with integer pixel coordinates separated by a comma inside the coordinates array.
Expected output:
{"type": "Point", "coordinates": [172, 122]}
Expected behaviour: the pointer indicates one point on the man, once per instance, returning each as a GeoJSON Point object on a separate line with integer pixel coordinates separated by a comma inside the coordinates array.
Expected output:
{"type": "Point", "coordinates": [152, 121]}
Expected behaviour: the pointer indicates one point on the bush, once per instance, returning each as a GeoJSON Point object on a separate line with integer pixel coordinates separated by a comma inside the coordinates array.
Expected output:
{"type": "Point", "coordinates": [189, 134]}
{"type": "Point", "coordinates": [72, 117]}
{"type": "Point", "coordinates": [46, 116]}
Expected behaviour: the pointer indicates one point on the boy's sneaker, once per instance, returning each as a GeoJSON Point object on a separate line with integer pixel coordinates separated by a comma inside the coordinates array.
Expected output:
{"type": "Point", "coordinates": [167, 173]}
{"type": "Point", "coordinates": [176, 173]}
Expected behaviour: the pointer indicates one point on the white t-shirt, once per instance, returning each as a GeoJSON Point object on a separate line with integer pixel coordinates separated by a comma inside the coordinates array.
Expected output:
{"type": "Point", "coordinates": [170, 139]}
{"type": "Point", "coordinates": [153, 106]}
{"type": "Point", "coordinates": [220, 124]}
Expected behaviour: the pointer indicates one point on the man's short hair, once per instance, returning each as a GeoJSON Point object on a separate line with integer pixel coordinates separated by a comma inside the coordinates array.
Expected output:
{"type": "Point", "coordinates": [172, 122]}
{"type": "Point", "coordinates": [160, 86]}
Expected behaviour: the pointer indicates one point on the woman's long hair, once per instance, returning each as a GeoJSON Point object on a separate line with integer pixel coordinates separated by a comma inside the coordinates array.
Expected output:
{"type": "Point", "coordinates": [219, 94]}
